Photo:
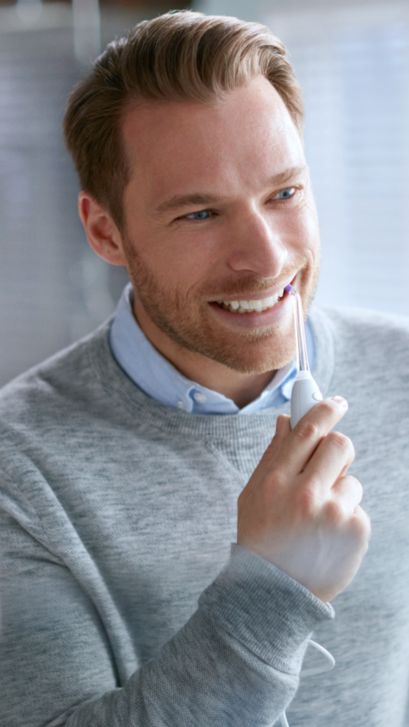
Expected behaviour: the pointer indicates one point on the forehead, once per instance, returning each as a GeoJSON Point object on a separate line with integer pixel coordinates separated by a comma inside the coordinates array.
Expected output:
{"type": "Point", "coordinates": [232, 140]}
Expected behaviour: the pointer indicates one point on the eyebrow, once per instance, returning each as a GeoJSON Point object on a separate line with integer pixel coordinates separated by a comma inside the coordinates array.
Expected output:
{"type": "Point", "coordinates": [184, 200]}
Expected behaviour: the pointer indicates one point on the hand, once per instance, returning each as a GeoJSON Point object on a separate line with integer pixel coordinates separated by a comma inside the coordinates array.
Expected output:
{"type": "Point", "coordinates": [300, 510]}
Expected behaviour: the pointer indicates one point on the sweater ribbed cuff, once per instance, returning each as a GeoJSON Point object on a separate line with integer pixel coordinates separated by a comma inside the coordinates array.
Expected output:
{"type": "Point", "coordinates": [264, 608]}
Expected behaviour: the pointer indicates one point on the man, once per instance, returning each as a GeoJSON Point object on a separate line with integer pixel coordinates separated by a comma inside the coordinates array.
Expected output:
{"type": "Point", "coordinates": [169, 543]}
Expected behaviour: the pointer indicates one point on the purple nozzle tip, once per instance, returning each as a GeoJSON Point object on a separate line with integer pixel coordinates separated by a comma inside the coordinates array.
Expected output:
{"type": "Point", "coordinates": [290, 289]}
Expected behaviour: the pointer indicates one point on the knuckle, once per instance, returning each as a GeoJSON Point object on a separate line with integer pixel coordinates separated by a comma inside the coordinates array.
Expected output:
{"type": "Point", "coordinates": [355, 485]}
{"type": "Point", "coordinates": [342, 442]}
{"type": "Point", "coordinates": [308, 499]}
{"type": "Point", "coordinates": [307, 430]}
{"type": "Point", "coordinates": [334, 512]}
{"type": "Point", "coordinates": [328, 407]}
{"type": "Point", "coordinates": [314, 482]}
{"type": "Point", "coordinates": [361, 525]}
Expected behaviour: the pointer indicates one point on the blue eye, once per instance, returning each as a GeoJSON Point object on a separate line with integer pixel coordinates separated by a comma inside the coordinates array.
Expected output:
{"type": "Point", "coordinates": [199, 215]}
{"type": "Point", "coordinates": [286, 193]}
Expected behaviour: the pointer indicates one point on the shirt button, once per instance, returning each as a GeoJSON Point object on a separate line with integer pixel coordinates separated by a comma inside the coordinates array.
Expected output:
{"type": "Point", "coordinates": [200, 398]}
{"type": "Point", "coordinates": [180, 405]}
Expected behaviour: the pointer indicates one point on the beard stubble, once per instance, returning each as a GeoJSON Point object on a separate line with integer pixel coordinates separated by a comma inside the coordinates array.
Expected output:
{"type": "Point", "coordinates": [184, 318]}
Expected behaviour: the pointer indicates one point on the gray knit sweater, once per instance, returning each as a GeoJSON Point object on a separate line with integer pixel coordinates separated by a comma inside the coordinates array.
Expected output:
{"type": "Point", "coordinates": [124, 601]}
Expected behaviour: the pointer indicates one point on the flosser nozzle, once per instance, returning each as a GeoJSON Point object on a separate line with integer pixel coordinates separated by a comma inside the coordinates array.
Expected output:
{"type": "Point", "coordinates": [305, 391]}
{"type": "Point", "coordinates": [302, 351]}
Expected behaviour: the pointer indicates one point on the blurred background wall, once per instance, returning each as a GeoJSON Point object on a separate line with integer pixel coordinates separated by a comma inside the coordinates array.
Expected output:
{"type": "Point", "coordinates": [352, 59]}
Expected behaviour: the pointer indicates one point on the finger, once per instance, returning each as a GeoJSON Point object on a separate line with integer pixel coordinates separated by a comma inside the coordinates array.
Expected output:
{"type": "Point", "coordinates": [283, 426]}
{"type": "Point", "coordinates": [348, 490]}
{"type": "Point", "coordinates": [297, 447]}
{"type": "Point", "coordinates": [333, 454]}
{"type": "Point", "coordinates": [360, 523]}
{"type": "Point", "coordinates": [344, 501]}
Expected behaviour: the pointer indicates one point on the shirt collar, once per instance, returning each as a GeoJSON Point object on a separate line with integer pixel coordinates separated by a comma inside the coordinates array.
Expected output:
{"type": "Point", "coordinates": [159, 379]}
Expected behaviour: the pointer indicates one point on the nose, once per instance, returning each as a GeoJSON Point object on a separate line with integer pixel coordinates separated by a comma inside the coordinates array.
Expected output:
{"type": "Point", "coordinates": [257, 245]}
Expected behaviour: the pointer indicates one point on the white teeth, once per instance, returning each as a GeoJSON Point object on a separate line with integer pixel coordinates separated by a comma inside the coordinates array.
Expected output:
{"type": "Point", "coordinates": [243, 306]}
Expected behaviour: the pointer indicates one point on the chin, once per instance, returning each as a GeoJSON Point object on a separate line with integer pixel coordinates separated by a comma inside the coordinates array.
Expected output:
{"type": "Point", "coordinates": [249, 358]}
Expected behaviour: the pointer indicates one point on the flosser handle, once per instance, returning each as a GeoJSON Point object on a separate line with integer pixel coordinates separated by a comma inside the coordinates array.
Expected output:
{"type": "Point", "coordinates": [304, 396]}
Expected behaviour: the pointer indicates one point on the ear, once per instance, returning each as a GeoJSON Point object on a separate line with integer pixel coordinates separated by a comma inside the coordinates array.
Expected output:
{"type": "Point", "coordinates": [101, 231]}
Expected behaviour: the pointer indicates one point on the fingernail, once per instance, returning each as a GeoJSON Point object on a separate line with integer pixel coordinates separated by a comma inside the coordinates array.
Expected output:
{"type": "Point", "coordinates": [340, 401]}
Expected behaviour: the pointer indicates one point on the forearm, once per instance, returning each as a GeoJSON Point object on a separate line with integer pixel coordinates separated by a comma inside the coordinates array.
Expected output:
{"type": "Point", "coordinates": [235, 662]}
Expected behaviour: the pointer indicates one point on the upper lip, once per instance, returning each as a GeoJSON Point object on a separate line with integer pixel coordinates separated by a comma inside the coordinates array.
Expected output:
{"type": "Point", "coordinates": [261, 295]}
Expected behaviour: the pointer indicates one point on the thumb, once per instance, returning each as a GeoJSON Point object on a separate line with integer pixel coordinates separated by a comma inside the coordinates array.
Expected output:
{"type": "Point", "coordinates": [283, 426]}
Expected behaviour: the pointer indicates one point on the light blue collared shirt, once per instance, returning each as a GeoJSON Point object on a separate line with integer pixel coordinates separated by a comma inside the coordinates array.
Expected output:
{"type": "Point", "coordinates": [159, 379]}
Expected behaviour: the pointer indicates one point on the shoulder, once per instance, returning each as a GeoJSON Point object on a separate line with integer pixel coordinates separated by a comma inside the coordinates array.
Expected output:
{"type": "Point", "coordinates": [363, 327]}
{"type": "Point", "coordinates": [46, 392]}
{"type": "Point", "coordinates": [364, 349]}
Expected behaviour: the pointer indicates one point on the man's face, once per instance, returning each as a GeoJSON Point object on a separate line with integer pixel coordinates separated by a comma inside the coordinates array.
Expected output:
{"type": "Point", "coordinates": [219, 208]}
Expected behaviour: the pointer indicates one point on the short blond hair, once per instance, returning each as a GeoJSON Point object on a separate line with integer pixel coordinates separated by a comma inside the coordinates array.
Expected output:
{"type": "Point", "coordinates": [180, 55]}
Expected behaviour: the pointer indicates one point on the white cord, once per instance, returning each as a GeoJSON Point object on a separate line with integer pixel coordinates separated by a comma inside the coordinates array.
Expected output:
{"type": "Point", "coordinates": [320, 670]}
{"type": "Point", "coordinates": [283, 720]}
{"type": "Point", "coordinates": [312, 672]}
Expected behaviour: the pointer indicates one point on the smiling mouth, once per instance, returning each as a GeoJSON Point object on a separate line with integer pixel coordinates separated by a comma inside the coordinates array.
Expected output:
{"type": "Point", "coordinates": [261, 305]}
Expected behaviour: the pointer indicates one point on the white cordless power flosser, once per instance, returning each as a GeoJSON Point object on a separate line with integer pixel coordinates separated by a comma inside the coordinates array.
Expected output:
{"type": "Point", "coordinates": [304, 396]}
{"type": "Point", "coordinates": [305, 393]}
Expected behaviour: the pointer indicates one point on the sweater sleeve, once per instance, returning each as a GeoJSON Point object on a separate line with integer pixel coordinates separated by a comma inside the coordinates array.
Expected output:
{"type": "Point", "coordinates": [235, 662]}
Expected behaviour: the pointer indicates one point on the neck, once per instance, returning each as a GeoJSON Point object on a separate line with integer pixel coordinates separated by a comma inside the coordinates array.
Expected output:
{"type": "Point", "coordinates": [242, 388]}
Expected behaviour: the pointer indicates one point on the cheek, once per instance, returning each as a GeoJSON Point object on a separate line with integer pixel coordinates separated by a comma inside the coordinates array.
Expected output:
{"type": "Point", "coordinates": [306, 228]}
{"type": "Point", "coordinates": [180, 275]}
{"type": "Point", "coordinates": [166, 263]}
{"type": "Point", "coordinates": [187, 265]}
